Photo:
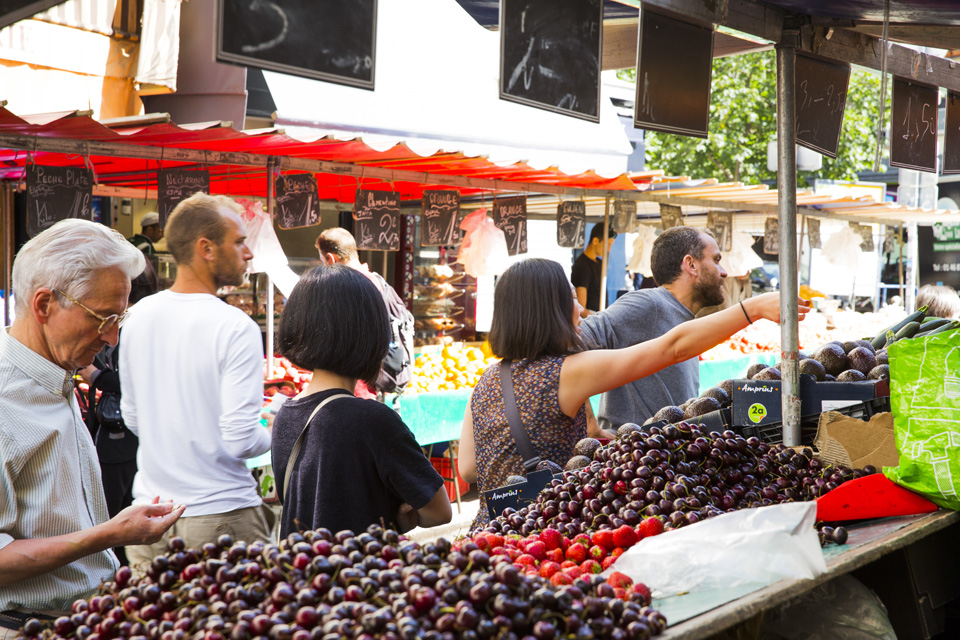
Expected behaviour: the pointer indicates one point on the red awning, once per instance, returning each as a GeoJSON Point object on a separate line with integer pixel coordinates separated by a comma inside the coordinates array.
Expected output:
{"type": "Point", "coordinates": [238, 179]}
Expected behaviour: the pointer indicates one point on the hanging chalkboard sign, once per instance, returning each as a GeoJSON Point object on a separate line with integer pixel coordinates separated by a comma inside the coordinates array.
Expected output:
{"type": "Point", "coordinates": [913, 125]}
{"type": "Point", "coordinates": [550, 55]}
{"type": "Point", "coordinates": [174, 185]}
{"type": "Point", "coordinates": [571, 223]}
{"type": "Point", "coordinates": [813, 232]}
{"type": "Point", "coordinates": [771, 236]}
{"type": "Point", "coordinates": [376, 220]}
{"type": "Point", "coordinates": [670, 216]}
{"type": "Point", "coordinates": [951, 135]}
{"type": "Point", "coordinates": [334, 40]}
{"type": "Point", "coordinates": [821, 96]}
{"type": "Point", "coordinates": [510, 216]}
{"type": "Point", "coordinates": [865, 231]}
{"type": "Point", "coordinates": [674, 68]}
{"type": "Point", "coordinates": [440, 219]}
{"type": "Point", "coordinates": [297, 201]}
{"type": "Point", "coordinates": [720, 224]}
{"type": "Point", "coordinates": [56, 193]}
{"type": "Point", "coordinates": [624, 216]}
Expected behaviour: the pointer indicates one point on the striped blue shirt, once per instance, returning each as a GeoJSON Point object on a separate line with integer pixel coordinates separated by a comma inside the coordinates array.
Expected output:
{"type": "Point", "coordinates": [50, 481]}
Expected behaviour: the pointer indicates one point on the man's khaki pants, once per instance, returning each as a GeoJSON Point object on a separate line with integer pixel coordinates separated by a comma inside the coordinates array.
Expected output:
{"type": "Point", "coordinates": [249, 524]}
{"type": "Point", "coordinates": [8, 634]}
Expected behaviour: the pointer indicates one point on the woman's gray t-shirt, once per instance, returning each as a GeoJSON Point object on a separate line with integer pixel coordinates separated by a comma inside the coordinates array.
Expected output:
{"type": "Point", "coordinates": [636, 317]}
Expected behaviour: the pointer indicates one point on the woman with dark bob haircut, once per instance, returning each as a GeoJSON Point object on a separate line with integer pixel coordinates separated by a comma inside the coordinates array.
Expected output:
{"type": "Point", "coordinates": [536, 317]}
{"type": "Point", "coordinates": [358, 463]}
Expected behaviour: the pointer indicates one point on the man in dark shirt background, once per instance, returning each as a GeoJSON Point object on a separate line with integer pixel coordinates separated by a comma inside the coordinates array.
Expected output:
{"type": "Point", "coordinates": [587, 269]}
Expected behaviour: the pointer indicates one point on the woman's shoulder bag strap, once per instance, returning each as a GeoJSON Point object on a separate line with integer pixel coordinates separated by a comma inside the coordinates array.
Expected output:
{"type": "Point", "coordinates": [524, 446]}
{"type": "Point", "coordinates": [295, 452]}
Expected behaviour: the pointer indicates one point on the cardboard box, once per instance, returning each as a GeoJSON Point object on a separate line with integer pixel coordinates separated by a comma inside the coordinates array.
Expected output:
{"type": "Point", "coordinates": [854, 443]}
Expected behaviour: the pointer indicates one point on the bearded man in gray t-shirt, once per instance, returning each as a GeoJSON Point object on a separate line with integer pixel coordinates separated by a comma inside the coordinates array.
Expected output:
{"type": "Point", "coordinates": [686, 264]}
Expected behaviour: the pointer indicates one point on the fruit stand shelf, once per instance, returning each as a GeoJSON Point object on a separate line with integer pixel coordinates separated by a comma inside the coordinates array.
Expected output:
{"type": "Point", "coordinates": [704, 614]}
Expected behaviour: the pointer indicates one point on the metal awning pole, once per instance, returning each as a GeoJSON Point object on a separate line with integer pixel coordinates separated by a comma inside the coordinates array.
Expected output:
{"type": "Point", "coordinates": [604, 255]}
{"type": "Point", "coordinates": [271, 163]}
{"type": "Point", "coordinates": [787, 201]}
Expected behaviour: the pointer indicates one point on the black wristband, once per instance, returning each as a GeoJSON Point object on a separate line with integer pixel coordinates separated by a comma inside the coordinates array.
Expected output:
{"type": "Point", "coordinates": [744, 309]}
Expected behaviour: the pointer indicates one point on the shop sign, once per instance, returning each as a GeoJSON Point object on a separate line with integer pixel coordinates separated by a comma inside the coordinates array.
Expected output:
{"type": "Point", "coordinates": [175, 185]}
{"type": "Point", "coordinates": [440, 218]}
{"type": "Point", "coordinates": [510, 216]}
{"type": "Point", "coordinates": [939, 255]}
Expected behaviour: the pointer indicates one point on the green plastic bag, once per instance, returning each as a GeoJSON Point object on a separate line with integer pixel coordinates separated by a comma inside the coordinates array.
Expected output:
{"type": "Point", "coordinates": [925, 397]}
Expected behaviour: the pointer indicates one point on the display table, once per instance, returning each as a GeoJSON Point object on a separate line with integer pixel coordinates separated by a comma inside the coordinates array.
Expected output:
{"type": "Point", "coordinates": [703, 614]}
{"type": "Point", "coordinates": [713, 372]}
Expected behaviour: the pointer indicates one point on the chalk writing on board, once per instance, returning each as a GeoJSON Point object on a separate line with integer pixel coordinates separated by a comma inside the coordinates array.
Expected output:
{"type": "Point", "coordinates": [440, 216]}
{"type": "Point", "coordinates": [670, 216]}
{"type": "Point", "coordinates": [376, 216]}
{"type": "Point", "coordinates": [820, 100]}
{"type": "Point", "coordinates": [57, 193]}
{"type": "Point", "coordinates": [720, 224]}
{"type": "Point", "coordinates": [174, 185]}
{"type": "Point", "coordinates": [813, 232]}
{"type": "Point", "coordinates": [951, 135]}
{"type": "Point", "coordinates": [571, 223]}
{"type": "Point", "coordinates": [550, 55]}
{"type": "Point", "coordinates": [771, 236]}
{"type": "Point", "coordinates": [297, 200]}
{"type": "Point", "coordinates": [510, 216]}
{"type": "Point", "coordinates": [913, 125]}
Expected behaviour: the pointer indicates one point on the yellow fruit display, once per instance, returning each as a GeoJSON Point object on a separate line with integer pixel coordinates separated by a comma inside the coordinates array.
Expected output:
{"type": "Point", "coordinates": [454, 367]}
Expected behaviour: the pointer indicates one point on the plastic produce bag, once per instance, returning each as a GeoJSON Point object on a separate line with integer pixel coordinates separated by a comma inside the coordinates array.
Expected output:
{"type": "Point", "coordinates": [842, 250]}
{"type": "Point", "coordinates": [925, 398]}
{"type": "Point", "coordinates": [841, 609]}
{"type": "Point", "coordinates": [749, 547]}
{"type": "Point", "coordinates": [268, 255]}
{"type": "Point", "coordinates": [642, 248]}
{"type": "Point", "coordinates": [484, 248]}
{"type": "Point", "coordinates": [741, 259]}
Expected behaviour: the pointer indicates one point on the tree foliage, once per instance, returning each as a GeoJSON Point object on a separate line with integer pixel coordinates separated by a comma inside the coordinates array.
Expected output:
{"type": "Point", "coordinates": [743, 119]}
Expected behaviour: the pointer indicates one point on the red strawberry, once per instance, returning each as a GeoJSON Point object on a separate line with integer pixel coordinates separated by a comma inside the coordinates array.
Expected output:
{"type": "Point", "coordinates": [616, 553]}
{"type": "Point", "coordinates": [565, 543]}
{"type": "Point", "coordinates": [574, 572]}
{"type": "Point", "coordinates": [498, 551]}
{"type": "Point", "coordinates": [604, 538]}
{"type": "Point", "coordinates": [556, 555]}
{"type": "Point", "coordinates": [551, 538]}
{"type": "Point", "coordinates": [619, 580]}
{"type": "Point", "coordinates": [650, 527]}
{"type": "Point", "coordinates": [583, 539]}
{"type": "Point", "coordinates": [619, 592]}
{"type": "Point", "coordinates": [640, 593]}
{"type": "Point", "coordinates": [559, 579]}
{"type": "Point", "coordinates": [597, 552]}
{"type": "Point", "coordinates": [537, 549]}
{"type": "Point", "coordinates": [608, 562]}
{"type": "Point", "coordinates": [591, 566]}
{"type": "Point", "coordinates": [566, 564]}
{"type": "Point", "coordinates": [481, 541]}
{"type": "Point", "coordinates": [526, 559]}
{"type": "Point", "coordinates": [512, 541]}
{"type": "Point", "coordinates": [625, 537]}
{"type": "Point", "coordinates": [531, 570]}
{"type": "Point", "coordinates": [548, 568]}
{"type": "Point", "coordinates": [577, 553]}
{"type": "Point", "coordinates": [513, 554]}
{"type": "Point", "coordinates": [495, 540]}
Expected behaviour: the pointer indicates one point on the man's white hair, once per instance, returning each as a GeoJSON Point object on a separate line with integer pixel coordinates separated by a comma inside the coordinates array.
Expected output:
{"type": "Point", "coordinates": [68, 257]}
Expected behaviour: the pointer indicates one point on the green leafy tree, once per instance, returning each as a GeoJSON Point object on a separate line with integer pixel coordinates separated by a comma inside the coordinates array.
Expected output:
{"type": "Point", "coordinates": [743, 119]}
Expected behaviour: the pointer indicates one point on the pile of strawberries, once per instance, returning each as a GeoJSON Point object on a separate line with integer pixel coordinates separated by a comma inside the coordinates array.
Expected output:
{"type": "Point", "coordinates": [555, 557]}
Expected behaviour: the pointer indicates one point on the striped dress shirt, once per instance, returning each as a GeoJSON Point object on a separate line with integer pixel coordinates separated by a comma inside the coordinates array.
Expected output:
{"type": "Point", "coordinates": [49, 477]}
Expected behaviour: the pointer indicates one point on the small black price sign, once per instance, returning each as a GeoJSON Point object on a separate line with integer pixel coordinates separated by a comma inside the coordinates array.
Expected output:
{"type": "Point", "coordinates": [175, 185]}
{"type": "Point", "coordinates": [865, 232]}
{"type": "Point", "coordinates": [510, 216]}
{"type": "Point", "coordinates": [820, 100]}
{"type": "Point", "coordinates": [571, 223]}
{"type": "Point", "coordinates": [670, 216]}
{"type": "Point", "coordinates": [720, 224]}
{"type": "Point", "coordinates": [624, 216]}
{"type": "Point", "coordinates": [297, 200]}
{"type": "Point", "coordinates": [771, 236]}
{"type": "Point", "coordinates": [516, 496]}
{"type": "Point", "coordinates": [440, 216]}
{"type": "Point", "coordinates": [376, 216]}
{"type": "Point", "coordinates": [56, 193]}
{"type": "Point", "coordinates": [951, 135]}
{"type": "Point", "coordinates": [913, 126]}
{"type": "Point", "coordinates": [813, 232]}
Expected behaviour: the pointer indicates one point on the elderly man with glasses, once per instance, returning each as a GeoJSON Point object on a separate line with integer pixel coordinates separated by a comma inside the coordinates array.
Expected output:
{"type": "Point", "coordinates": [71, 284]}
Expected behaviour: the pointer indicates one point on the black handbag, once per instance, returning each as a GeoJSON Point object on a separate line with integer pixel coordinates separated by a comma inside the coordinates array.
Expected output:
{"type": "Point", "coordinates": [520, 437]}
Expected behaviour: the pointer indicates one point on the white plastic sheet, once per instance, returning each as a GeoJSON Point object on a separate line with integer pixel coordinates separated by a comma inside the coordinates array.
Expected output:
{"type": "Point", "coordinates": [741, 259]}
{"type": "Point", "coordinates": [484, 248]}
{"type": "Point", "coordinates": [268, 255]}
{"type": "Point", "coordinates": [757, 546]}
{"type": "Point", "coordinates": [842, 250]}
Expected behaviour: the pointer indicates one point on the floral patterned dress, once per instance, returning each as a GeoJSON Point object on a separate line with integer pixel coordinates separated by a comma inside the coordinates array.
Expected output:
{"type": "Point", "coordinates": [552, 433]}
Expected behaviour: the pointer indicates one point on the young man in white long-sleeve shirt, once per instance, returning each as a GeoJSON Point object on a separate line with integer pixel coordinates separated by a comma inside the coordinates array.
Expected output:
{"type": "Point", "coordinates": [191, 370]}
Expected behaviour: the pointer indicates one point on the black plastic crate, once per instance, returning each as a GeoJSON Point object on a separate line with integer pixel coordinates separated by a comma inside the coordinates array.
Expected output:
{"type": "Point", "coordinates": [772, 433]}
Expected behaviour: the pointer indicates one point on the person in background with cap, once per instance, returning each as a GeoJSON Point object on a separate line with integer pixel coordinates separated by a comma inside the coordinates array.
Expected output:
{"type": "Point", "coordinates": [150, 232]}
